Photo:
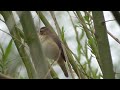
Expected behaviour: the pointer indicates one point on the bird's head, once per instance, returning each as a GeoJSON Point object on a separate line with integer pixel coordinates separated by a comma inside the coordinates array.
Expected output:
{"type": "Point", "coordinates": [44, 31]}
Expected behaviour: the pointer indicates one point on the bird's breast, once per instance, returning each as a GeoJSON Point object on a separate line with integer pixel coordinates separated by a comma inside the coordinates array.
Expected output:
{"type": "Point", "coordinates": [50, 48]}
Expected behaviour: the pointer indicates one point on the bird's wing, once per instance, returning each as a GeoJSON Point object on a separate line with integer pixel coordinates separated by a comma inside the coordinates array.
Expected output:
{"type": "Point", "coordinates": [58, 42]}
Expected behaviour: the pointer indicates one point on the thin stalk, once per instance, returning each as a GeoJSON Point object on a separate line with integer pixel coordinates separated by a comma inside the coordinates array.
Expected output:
{"type": "Point", "coordinates": [38, 58]}
{"type": "Point", "coordinates": [44, 20]}
{"type": "Point", "coordinates": [79, 45]}
{"type": "Point", "coordinates": [10, 22]}
{"type": "Point", "coordinates": [90, 38]}
{"type": "Point", "coordinates": [47, 24]}
{"type": "Point", "coordinates": [103, 45]}
{"type": "Point", "coordinates": [2, 76]}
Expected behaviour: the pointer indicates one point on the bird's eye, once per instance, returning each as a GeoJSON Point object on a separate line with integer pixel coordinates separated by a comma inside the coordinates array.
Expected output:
{"type": "Point", "coordinates": [42, 31]}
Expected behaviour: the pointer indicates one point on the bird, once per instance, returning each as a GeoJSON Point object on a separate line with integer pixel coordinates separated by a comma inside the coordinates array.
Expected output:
{"type": "Point", "coordinates": [52, 47]}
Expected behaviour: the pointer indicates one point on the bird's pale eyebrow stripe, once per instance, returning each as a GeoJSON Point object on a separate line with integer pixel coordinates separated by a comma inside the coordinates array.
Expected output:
{"type": "Point", "coordinates": [43, 27]}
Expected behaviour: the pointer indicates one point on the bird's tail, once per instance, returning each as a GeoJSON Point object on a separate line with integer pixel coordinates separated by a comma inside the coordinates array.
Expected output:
{"type": "Point", "coordinates": [61, 62]}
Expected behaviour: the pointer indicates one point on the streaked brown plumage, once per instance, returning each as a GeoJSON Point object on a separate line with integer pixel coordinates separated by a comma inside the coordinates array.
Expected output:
{"type": "Point", "coordinates": [52, 47]}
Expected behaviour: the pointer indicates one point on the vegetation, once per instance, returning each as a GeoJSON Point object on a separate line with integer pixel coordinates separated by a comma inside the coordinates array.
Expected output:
{"type": "Point", "coordinates": [90, 37]}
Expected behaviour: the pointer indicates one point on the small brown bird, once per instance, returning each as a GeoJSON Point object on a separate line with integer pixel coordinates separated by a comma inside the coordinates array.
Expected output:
{"type": "Point", "coordinates": [52, 47]}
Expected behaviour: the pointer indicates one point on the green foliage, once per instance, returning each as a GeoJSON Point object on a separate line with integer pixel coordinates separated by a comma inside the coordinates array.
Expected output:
{"type": "Point", "coordinates": [62, 33]}
{"type": "Point", "coordinates": [79, 63]}
{"type": "Point", "coordinates": [4, 60]}
{"type": "Point", "coordinates": [7, 51]}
